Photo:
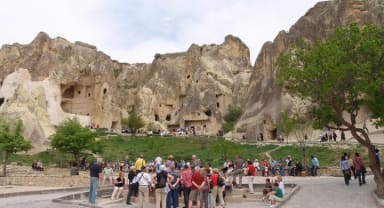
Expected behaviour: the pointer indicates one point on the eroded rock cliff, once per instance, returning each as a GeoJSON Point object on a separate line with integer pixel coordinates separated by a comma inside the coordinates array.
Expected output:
{"type": "Point", "coordinates": [49, 80]}
{"type": "Point", "coordinates": [266, 101]}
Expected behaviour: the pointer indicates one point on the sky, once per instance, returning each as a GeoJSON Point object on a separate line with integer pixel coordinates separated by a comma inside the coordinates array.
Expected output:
{"type": "Point", "coordinates": [133, 31]}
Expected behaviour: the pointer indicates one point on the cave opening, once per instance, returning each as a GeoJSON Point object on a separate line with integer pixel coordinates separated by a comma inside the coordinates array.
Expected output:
{"type": "Point", "coordinates": [1, 101]}
{"type": "Point", "coordinates": [69, 92]}
{"type": "Point", "coordinates": [168, 117]}
{"type": "Point", "coordinates": [218, 105]}
{"type": "Point", "coordinates": [208, 113]}
{"type": "Point", "coordinates": [156, 117]}
{"type": "Point", "coordinates": [105, 91]}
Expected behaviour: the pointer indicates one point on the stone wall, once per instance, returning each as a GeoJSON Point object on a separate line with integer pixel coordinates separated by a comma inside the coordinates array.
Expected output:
{"type": "Point", "coordinates": [50, 181]}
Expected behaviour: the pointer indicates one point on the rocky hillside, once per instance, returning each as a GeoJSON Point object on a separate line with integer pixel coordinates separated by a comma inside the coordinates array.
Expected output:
{"type": "Point", "coordinates": [49, 80]}
{"type": "Point", "coordinates": [266, 101]}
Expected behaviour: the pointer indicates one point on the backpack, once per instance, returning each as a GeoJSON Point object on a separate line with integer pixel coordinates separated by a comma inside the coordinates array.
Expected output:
{"type": "Point", "coordinates": [161, 179]}
{"type": "Point", "coordinates": [220, 182]}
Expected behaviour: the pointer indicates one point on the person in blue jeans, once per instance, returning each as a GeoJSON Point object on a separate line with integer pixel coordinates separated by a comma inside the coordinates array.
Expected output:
{"type": "Point", "coordinates": [174, 185]}
{"type": "Point", "coordinates": [315, 165]}
{"type": "Point", "coordinates": [96, 174]}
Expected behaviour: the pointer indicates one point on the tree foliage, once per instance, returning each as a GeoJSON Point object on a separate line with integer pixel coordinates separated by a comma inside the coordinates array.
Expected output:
{"type": "Point", "coordinates": [286, 124]}
{"type": "Point", "coordinates": [12, 140]}
{"type": "Point", "coordinates": [71, 137]}
{"type": "Point", "coordinates": [135, 121]}
{"type": "Point", "coordinates": [340, 76]}
{"type": "Point", "coordinates": [231, 117]}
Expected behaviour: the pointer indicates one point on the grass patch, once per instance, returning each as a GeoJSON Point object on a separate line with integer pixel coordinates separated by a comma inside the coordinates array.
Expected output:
{"type": "Point", "coordinates": [212, 150]}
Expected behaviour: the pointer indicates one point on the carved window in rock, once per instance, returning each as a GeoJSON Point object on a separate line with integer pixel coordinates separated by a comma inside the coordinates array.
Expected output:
{"type": "Point", "coordinates": [156, 117]}
{"type": "Point", "coordinates": [208, 113]}
{"type": "Point", "coordinates": [168, 117]}
{"type": "Point", "coordinates": [1, 101]}
{"type": "Point", "coordinates": [105, 91]}
{"type": "Point", "coordinates": [218, 105]}
{"type": "Point", "coordinates": [69, 92]}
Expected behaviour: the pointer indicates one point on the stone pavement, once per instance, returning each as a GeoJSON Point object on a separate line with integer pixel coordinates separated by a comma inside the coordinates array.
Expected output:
{"type": "Point", "coordinates": [314, 192]}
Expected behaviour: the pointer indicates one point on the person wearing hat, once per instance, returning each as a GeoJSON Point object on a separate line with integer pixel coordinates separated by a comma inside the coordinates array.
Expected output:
{"type": "Point", "coordinates": [216, 190]}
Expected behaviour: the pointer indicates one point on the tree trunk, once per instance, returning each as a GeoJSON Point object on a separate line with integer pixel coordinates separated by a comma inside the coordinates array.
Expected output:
{"type": "Point", "coordinates": [5, 160]}
{"type": "Point", "coordinates": [378, 177]}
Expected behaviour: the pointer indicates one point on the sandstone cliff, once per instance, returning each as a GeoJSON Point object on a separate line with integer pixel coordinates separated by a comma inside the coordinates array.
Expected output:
{"type": "Point", "coordinates": [49, 80]}
{"type": "Point", "coordinates": [190, 89]}
{"type": "Point", "coordinates": [266, 101]}
{"type": "Point", "coordinates": [78, 78]}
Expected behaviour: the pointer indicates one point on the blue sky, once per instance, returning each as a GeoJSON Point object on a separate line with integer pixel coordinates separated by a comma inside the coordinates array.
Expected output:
{"type": "Point", "coordinates": [134, 30]}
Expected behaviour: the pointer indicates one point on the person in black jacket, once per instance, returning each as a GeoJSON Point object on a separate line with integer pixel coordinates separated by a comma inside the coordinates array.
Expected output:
{"type": "Point", "coordinates": [131, 191]}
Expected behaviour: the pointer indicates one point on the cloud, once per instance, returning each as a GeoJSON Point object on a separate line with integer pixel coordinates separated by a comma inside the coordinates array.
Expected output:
{"type": "Point", "coordinates": [134, 30]}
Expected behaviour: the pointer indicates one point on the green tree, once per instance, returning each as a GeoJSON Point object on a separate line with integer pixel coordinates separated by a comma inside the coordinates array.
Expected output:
{"type": "Point", "coordinates": [135, 122]}
{"type": "Point", "coordinates": [124, 123]}
{"type": "Point", "coordinates": [71, 137]}
{"type": "Point", "coordinates": [286, 124]}
{"type": "Point", "coordinates": [12, 140]}
{"type": "Point", "coordinates": [340, 76]}
{"type": "Point", "coordinates": [231, 117]}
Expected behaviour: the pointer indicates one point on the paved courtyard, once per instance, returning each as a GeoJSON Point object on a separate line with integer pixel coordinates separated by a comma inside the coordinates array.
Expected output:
{"type": "Point", "coordinates": [314, 192]}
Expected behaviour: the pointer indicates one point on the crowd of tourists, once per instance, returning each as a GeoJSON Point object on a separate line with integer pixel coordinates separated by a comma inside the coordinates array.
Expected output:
{"type": "Point", "coordinates": [198, 184]}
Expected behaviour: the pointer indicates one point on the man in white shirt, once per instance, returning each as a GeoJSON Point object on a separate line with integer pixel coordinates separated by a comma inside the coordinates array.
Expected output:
{"type": "Point", "coordinates": [144, 180]}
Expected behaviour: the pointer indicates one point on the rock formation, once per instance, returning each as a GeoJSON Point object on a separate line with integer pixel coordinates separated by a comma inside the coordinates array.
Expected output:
{"type": "Point", "coordinates": [266, 101]}
{"type": "Point", "coordinates": [49, 80]}
{"type": "Point", "coordinates": [190, 89]}
{"type": "Point", "coordinates": [75, 75]}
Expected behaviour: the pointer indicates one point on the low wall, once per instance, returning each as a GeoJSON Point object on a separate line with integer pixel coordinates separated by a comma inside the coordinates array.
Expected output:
{"type": "Point", "coordinates": [48, 180]}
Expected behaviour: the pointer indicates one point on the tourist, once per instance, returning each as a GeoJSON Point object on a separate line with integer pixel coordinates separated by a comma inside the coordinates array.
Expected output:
{"type": "Point", "coordinates": [251, 175]}
{"type": "Point", "coordinates": [238, 171]}
{"type": "Point", "coordinates": [96, 174]}
{"type": "Point", "coordinates": [170, 162]}
{"type": "Point", "coordinates": [140, 162]}
{"type": "Point", "coordinates": [144, 180]}
{"type": "Point", "coordinates": [108, 174]}
{"type": "Point", "coordinates": [131, 190]}
{"type": "Point", "coordinates": [160, 180]}
{"type": "Point", "coordinates": [74, 170]}
{"type": "Point", "coordinates": [39, 165]}
{"type": "Point", "coordinates": [119, 186]}
{"type": "Point", "coordinates": [298, 168]}
{"type": "Point", "coordinates": [282, 166]}
{"type": "Point", "coordinates": [289, 165]}
{"type": "Point", "coordinates": [267, 186]}
{"type": "Point", "coordinates": [264, 168]}
{"type": "Point", "coordinates": [345, 169]}
{"type": "Point", "coordinates": [359, 165]}
{"type": "Point", "coordinates": [257, 165]}
{"type": "Point", "coordinates": [276, 195]}
{"type": "Point", "coordinates": [315, 165]}
{"type": "Point", "coordinates": [377, 157]}
{"type": "Point", "coordinates": [197, 186]}
{"type": "Point", "coordinates": [273, 164]}
{"type": "Point", "coordinates": [342, 137]}
{"type": "Point", "coordinates": [194, 162]}
{"type": "Point", "coordinates": [174, 186]}
{"type": "Point", "coordinates": [186, 181]}
{"type": "Point", "coordinates": [205, 199]}
{"type": "Point", "coordinates": [216, 190]}
{"type": "Point", "coordinates": [350, 163]}
{"type": "Point", "coordinates": [281, 184]}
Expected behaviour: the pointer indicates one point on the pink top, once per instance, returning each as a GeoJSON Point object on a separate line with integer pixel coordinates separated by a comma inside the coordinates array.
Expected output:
{"type": "Point", "coordinates": [186, 176]}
